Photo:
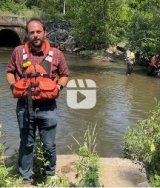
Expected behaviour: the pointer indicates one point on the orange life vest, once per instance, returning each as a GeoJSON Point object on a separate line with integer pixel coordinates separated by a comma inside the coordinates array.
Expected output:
{"type": "Point", "coordinates": [36, 80]}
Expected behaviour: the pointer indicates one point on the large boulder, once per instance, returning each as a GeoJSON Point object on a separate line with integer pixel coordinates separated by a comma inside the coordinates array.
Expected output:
{"type": "Point", "coordinates": [59, 36]}
{"type": "Point", "coordinates": [121, 46]}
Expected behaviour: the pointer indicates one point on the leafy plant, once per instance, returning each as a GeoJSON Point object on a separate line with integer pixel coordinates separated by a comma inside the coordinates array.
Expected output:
{"type": "Point", "coordinates": [55, 181]}
{"type": "Point", "coordinates": [143, 144]}
{"type": "Point", "coordinates": [87, 166]}
{"type": "Point", "coordinates": [40, 164]}
{"type": "Point", "coordinates": [8, 172]}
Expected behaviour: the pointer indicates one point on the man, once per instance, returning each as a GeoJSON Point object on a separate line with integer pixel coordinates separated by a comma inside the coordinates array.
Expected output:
{"type": "Point", "coordinates": [154, 66]}
{"type": "Point", "coordinates": [36, 73]}
{"type": "Point", "coordinates": [130, 60]}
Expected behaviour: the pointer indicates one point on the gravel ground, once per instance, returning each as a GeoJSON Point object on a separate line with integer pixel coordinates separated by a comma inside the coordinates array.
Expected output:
{"type": "Point", "coordinates": [114, 172]}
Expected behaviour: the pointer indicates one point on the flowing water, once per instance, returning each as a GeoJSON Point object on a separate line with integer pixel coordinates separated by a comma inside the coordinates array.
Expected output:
{"type": "Point", "coordinates": [121, 101]}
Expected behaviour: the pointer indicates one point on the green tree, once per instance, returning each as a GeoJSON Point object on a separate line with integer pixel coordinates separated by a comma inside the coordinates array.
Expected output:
{"type": "Point", "coordinates": [12, 6]}
{"type": "Point", "coordinates": [144, 33]}
{"type": "Point", "coordinates": [135, 22]}
{"type": "Point", "coordinates": [89, 21]}
{"type": "Point", "coordinates": [100, 23]}
{"type": "Point", "coordinates": [119, 17]}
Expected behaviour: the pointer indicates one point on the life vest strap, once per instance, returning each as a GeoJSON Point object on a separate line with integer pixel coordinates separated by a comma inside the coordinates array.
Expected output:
{"type": "Point", "coordinates": [46, 63]}
{"type": "Point", "coordinates": [35, 75]}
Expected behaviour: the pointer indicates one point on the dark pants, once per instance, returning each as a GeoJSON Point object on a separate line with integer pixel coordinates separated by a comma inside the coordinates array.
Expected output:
{"type": "Point", "coordinates": [129, 68]}
{"type": "Point", "coordinates": [152, 71]}
{"type": "Point", "coordinates": [44, 118]}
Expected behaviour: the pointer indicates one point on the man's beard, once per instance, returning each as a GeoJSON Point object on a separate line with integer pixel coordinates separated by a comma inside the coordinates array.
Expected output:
{"type": "Point", "coordinates": [37, 43]}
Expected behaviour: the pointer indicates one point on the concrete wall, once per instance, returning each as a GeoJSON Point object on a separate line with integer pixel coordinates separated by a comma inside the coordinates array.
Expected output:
{"type": "Point", "coordinates": [14, 24]}
{"type": "Point", "coordinates": [12, 21]}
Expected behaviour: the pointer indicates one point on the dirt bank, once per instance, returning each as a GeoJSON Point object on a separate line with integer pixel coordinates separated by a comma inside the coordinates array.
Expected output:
{"type": "Point", "coordinates": [114, 172]}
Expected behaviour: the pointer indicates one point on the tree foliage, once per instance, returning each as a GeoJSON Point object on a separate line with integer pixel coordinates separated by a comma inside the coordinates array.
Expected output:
{"type": "Point", "coordinates": [89, 20]}
{"type": "Point", "coordinates": [101, 23]}
{"type": "Point", "coordinates": [144, 26]}
{"type": "Point", "coordinates": [12, 6]}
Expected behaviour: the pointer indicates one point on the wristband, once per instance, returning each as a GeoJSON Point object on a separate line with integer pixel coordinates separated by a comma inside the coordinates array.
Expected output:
{"type": "Point", "coordinates": [60, 86]}
{"type": "Point", "coordinates": [12, 86]}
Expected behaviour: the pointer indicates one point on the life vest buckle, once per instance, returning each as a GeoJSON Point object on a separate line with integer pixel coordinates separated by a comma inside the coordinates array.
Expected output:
{"type": "Point", "coordinates": [34, 84]}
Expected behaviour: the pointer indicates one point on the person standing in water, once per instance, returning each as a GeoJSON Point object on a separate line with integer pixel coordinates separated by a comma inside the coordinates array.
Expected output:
{"type": "Point", "coordinates": [36, 73]}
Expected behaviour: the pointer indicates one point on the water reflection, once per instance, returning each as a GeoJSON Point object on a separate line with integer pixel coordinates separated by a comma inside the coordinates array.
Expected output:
{"type": "Point", "coordinates": [121, 101]}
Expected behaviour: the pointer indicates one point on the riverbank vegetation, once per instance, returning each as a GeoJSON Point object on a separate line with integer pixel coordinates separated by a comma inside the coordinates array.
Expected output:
{"type": "Point", "coordinates": [86, 166]}
{"type": "Point", "coordinates": [143, 144]}
{"type": "Point", "coordinates": [100, 24]}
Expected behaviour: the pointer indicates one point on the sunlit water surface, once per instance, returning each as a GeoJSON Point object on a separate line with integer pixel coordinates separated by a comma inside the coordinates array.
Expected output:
{"type": "Point", "coordinates": [121, 101]}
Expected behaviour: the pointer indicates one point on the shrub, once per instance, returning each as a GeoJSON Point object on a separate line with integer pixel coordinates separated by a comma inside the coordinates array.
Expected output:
{"type": "Point", "coordinates": [143, 144]}
{"type": "Point", "coordinates": [8, 172]}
